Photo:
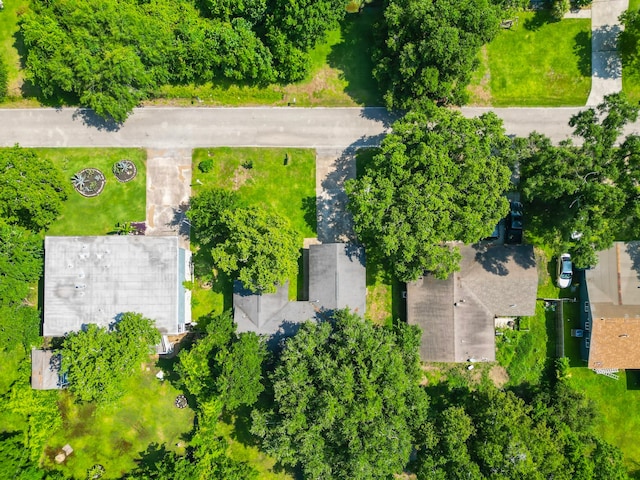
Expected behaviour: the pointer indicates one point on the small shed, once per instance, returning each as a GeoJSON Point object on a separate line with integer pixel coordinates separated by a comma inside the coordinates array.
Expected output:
{"type": "Point", "coordinates": [45, 370]}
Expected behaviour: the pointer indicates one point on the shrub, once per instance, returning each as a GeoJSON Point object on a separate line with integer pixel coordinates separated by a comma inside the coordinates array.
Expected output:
{"type": "Point", "coordinates": [582, 3]}
{"type": "Point", "coordinates": [559, 8]}
{"type": "Point", "coordinates": [206, 165]}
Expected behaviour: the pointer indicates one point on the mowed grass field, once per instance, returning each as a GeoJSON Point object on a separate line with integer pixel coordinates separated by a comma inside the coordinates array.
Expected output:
{"type": "Point", "coordinates": [118, 202]}
{"type": "Point", "coordinates": [261, 178]}
{"type": "Point", "coordinates": [536, 63]}
{"type": "Point", "coordinates": [630, 79]}
{"type": "Point", "coordinates": [115, 436]}
{"type": "Point", "coordinates": [10, 46]}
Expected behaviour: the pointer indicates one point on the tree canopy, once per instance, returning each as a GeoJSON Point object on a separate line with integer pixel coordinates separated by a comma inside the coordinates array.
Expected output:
{"type": "Point", "coordinates": [205, 212]}
{"type": "Point", "coordinates": [587, 194]}
{"type": "Point", "coordinates": [430, 49]}
{"type": "Point", "coordinates": [98, 360]}
{"type": "Point", "coordinates": [20, 262]}
{"type": "Point", "coordinates": [32, 189]}
{"type": "Point", "coordinates": [438, 177]}
{"type": "Point", "coordinates": [492, 434]}
{"type": "Point", "coordinates": [224, 365]}
{"type": "Point", "coordinates": [111, 55]}
{"type": "Point", "coordinates": [345, 399]}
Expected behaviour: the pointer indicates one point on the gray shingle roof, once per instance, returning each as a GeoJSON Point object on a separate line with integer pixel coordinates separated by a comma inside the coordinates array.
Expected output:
{"type": "Point", "coordinates": [337, 279]}
{"type": "Point", "coordinates": [94, 279]}
{"type": "Point", "coordinates": [457, 315]}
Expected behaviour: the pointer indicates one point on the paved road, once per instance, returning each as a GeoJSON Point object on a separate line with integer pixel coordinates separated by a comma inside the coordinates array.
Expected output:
{"type": "Point", "coordinates": [330, 128]}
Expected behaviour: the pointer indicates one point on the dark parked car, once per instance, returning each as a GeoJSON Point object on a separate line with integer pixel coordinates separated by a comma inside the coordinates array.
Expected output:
{"type": "Point", "coordinates": [514, 224]}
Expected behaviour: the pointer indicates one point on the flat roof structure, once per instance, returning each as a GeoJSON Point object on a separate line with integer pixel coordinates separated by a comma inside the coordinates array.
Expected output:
{"type": "Point", "coordinates": [45, 370]}
{"type": "Point", "coordinates": [457, 315]}
{"type": "Point", "coordinates": [613, 288]}
{"type": "Point", "coordinates": [95, 279]}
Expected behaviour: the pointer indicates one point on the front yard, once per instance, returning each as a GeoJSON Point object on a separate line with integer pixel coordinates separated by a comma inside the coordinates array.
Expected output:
{"type": "Point", "coordinates": [118, 202]}
{"type": "Point", "coordinates": [262, 178]}
{"type": "Point", "coordinates": [536, 63]}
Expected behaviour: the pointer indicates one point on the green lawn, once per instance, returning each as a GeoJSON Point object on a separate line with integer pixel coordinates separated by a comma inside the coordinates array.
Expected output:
{"type": "Point", "coordinates": [630, 81]}
{"type": "Point", "coordinates": [9, 44]}
{"type": "Point", "coordinates": [118, 202]}
{"type": "Point", "coordinates": [536, 63]}
{"type": "Point", "coordinates": [243, 448]}
{"type": "Point", "coordinates": [115, 436]}
{"type": "Point", "coordinates": [286, 189]}
{"type": "Point", "coordinates": [340, 75]}
{"type": "Point", "coordinates": [617, 401]}
{"type": "Point", "coordinates": [526, 353]}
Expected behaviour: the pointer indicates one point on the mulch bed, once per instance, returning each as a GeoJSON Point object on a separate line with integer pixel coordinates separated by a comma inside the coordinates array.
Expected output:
{"type": "Point", "coordinates": [89, 182]}
{"type": "Point", "coordinates": [125, 170]}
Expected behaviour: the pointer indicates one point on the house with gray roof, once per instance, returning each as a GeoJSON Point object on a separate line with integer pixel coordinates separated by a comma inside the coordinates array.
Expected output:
{"type": "Point", "coordinates": [336, 279]}
{"type": "Point", "coordinates": [457, 316]}
{"type": "Point", "coordinates": [96, 279]}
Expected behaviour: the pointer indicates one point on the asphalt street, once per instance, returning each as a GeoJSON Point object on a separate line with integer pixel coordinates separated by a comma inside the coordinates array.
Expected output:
{"type": "Point", "coordinates": [158, 127]}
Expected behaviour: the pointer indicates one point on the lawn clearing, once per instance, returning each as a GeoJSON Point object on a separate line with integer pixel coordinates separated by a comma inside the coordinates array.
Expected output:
{"type": "Point", "coordinates": [9, 44]}
{"type": "Point", "coordinates": [245, 450]}
{"type": "Point", "coordinates": [631, 81]}
{"type": "Point", "coordinates": [261, 178]}
{"type": "Point", "coordinates": [115, 435]}
{"type": "Point", "coordinates": [527, 352]}
{"type": "Point", "coordinates": [118, 202]}
{"type": "Point", "coordinates": [340, 75]}
{"type": "Point", "coordinates": [537, 63]}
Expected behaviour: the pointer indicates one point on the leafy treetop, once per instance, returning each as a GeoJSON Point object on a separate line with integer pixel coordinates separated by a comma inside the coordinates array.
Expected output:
{"type": "Point", "coordinates": [98, 361]}
{"type": "Point", "coordinates": [345, 401]}
{"type": "Point", "coordinates": [32, 189]}
{"type": "Point", "coordinates": [587, 194]}
{"type": "Point", "coordinates": [438, 177]}
{"type": "Point", "coordinates": [430, 49]}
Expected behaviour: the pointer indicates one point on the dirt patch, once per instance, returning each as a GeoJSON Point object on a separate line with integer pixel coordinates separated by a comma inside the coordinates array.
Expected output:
{"type": "Point", "coordinates": [499, 376]}
{"type": "Point", "coordinates": [240, 176]}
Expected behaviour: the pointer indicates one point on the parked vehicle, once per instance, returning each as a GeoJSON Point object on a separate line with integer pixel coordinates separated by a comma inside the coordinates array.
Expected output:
{"type": "Point", "coordinates": [514, 224]}
{"type": "Point", "coordinates": [565, 270]}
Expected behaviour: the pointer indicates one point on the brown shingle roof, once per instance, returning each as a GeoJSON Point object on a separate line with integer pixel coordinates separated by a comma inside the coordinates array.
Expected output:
{"type": "Point", "coordinates": [457, 315]}
{"type": "Point", "coordinates": [614, 343]}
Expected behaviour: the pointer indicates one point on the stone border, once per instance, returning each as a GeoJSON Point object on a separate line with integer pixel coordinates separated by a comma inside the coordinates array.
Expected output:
{"type": "Point", "coordinates": [124, 170]}
{"type": "Point", "coordinates": [85, 178]}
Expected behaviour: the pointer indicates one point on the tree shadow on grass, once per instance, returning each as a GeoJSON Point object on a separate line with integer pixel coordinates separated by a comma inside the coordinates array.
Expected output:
{"type": "Point", "coordinates": [541, 17]}
{"type": "Point", "coordinates": [353, 55]}
{"type": "Point", "coordinates": [582, 50]}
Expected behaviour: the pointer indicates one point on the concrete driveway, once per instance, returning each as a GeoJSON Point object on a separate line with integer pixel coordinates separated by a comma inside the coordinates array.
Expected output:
{"type": "Point", "coordinates": [168, 192]}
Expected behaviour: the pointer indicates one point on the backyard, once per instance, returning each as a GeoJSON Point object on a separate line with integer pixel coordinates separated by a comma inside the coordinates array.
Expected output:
{"type": "Point", "coordinates": [119, 202]}
{"type": "Point", "coordinates": [262, 177]}
{"type": "Point", "coordinates": [116, 435]}
{"type": "Point", "coordinates": [535, 63]}
{"type": "Point", "coordinates": [617, 401]}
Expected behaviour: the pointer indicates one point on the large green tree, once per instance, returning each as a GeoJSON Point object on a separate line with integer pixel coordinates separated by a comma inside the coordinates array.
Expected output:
{"type": "Point", "coordinates": [493, 434]}
{"type": "Point", "coordinates": [586, 195]}
{"type": "Point", "coordinates": [224, 365]}
{"type": "Point", "coordinates": [20, 262]}
{"type": "Point", "coordinates": [97, 360]}
{"type": "Point", "coordinates": [32, 189]}
{"type": "Point", "coordinates": [261, 249]}
{"type": "Point", "coordinates": [438, 177]}
{"type": "Point", "coordinates": [110, 55]}
{"type": "Point", "coordinates": [430, 49]}
{"type": "Point", "coordinates": [205, 214]}
{"type": "Point", "coordinates": [345, 400]}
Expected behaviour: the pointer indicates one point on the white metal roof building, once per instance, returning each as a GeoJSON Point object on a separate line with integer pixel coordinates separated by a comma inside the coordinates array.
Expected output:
{"type": "Point", "coordinates": [95, 279]}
